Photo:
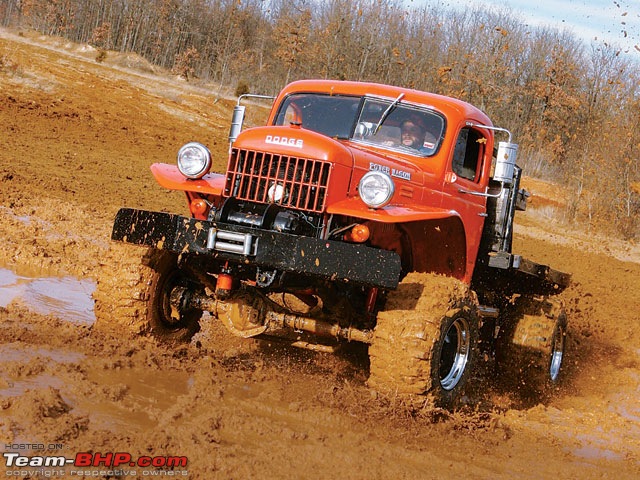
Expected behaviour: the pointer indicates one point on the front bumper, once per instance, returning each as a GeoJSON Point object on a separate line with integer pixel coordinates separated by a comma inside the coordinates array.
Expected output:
{"type": "Point", "coordinates": [338, 261]}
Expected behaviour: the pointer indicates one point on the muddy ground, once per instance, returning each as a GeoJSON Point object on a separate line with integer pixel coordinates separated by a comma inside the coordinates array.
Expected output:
{"type": "Point", "coordinates": [76, 140]}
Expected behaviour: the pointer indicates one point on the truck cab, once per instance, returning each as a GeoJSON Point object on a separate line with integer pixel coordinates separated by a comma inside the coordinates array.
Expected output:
{"type": "Point", "coordinates": [452, 154]}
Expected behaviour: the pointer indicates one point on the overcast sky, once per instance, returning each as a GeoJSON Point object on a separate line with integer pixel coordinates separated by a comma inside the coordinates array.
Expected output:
{"type": "Point", "coordinates": [613, 21]}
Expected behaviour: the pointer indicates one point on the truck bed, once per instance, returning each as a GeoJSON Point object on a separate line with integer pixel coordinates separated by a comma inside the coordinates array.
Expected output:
{"type": "Point", "coordinates": [514, 274]}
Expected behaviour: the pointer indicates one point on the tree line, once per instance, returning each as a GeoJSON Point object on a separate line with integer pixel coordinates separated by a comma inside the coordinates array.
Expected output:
{"type": "Point", "coordinates": [573, 106]}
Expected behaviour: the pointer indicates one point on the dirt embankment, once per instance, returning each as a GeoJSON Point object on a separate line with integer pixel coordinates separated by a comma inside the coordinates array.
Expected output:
{"type": "Point", "coordinates": [77, 138]}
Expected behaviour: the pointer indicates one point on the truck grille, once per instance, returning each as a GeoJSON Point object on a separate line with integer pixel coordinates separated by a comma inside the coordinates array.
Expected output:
{"type": "Point", "coordinates": [292, 182]}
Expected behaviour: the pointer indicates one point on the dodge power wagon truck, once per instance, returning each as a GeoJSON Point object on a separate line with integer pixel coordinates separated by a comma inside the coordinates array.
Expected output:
{"type": "Point", "coordinates": [360, 213]}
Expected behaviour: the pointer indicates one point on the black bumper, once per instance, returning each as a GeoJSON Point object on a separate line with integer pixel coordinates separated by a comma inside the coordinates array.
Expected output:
{"type": "Point", "coordinates": [267, 249]}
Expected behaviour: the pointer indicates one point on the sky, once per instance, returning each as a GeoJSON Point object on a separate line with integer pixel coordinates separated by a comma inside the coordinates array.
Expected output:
{"type": "Point", "coordinates": [616, 22]}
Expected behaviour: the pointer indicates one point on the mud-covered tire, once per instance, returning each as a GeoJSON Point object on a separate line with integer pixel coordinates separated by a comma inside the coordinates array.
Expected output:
{"type": "Point", "coordinates": [133, 289]}
{"type": "Point", "coordinates": [531, 346]}
{"type": "Point", "coordinates": [425, 341]}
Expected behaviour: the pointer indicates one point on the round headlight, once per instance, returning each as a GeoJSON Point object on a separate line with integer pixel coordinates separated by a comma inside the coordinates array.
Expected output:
{"type": "Point", "coordinates": [194, 160]}
{"type": "Point", "coordinates": [376, 189]}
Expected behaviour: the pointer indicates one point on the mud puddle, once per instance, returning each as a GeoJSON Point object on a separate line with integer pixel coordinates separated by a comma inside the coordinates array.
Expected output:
{"type": "Point", "coordinates": [64, 297]}
{"type": "Point", "coordinates": [133, 398]}
{"type": "Point", "coordinates": [111, 397]}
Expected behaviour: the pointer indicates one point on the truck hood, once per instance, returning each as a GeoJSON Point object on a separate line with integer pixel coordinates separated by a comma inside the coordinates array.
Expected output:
{"type": "Point", "coordinates": [346, 156]}
{"type": "Point", "coordinates": [350, 161]}
{"type": "Point", "coordinates": [296, 142]}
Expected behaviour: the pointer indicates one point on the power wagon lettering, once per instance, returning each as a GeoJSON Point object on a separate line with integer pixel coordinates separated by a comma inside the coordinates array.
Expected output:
{"type": "Point", "coordinates": [394, 172]}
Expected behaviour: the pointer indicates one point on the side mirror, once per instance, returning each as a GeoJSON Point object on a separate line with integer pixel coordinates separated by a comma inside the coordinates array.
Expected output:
{"type": "Point", "coordinates": [506, 157]}
{"type": "Point", "coordinates": [238, 115]}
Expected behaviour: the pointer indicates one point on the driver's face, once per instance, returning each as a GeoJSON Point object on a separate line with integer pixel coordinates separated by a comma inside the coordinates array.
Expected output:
{"type": "Point", "coordinates": [412, 135]}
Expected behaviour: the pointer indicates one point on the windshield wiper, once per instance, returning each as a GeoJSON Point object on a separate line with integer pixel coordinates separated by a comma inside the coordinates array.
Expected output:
{"type": "Point", "coordinates": [386, 113]}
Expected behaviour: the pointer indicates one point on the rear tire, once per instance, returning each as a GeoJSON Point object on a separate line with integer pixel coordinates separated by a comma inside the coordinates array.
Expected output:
{"type": "Point", "coordinates": [425, 341]}
{"type": "Point", "coordinates": [531, 346]}
{"type": "Point", "coordinates": [133, 292]}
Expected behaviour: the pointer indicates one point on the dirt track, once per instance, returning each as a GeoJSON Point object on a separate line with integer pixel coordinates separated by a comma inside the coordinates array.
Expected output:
{"type": "Point", "coordinates": [76, 141]}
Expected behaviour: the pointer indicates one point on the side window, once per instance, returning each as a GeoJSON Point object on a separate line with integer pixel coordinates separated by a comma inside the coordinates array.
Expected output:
{"type": "Point", "coordinates": [468, 154]}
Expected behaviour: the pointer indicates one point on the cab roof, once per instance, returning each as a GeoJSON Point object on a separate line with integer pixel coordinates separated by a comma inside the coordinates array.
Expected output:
{"type": "Point", "coordinates": [452, 108]}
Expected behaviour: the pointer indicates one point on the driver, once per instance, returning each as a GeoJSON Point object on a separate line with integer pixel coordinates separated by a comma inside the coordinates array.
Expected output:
{"type": "Point", "coordinates": [413, 134]}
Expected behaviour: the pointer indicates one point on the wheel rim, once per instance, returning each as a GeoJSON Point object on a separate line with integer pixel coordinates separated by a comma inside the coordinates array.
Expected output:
{"type": "Point", "coordinates": [455, 353]}
{"type": "Point", "coordinates": [557, 353]}
{"type": "Point", "coordinates": [165, 300]}
{"type": "Point", "coordinates": [171, 318]}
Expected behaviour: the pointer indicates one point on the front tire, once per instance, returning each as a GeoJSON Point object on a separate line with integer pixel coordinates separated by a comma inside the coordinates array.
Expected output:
{"type": "Point", "coordinates": [425, 341]}
{"type": "Point", "coordinates": [134, 293]}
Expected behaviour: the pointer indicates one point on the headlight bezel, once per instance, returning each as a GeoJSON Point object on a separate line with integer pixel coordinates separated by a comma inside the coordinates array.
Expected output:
{"type": "Point", "coordinates": [379, 181]}
{"type": "Point", "coordinates": [199, 165]}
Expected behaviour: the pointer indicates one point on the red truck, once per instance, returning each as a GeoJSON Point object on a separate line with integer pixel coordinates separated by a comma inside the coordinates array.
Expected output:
{"type": "Point", "coordinates": [360, 213]}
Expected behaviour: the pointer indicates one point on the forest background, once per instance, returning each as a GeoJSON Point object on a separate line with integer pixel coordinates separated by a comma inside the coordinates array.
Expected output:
{"type": "Point", "coordinates": [573, 107]}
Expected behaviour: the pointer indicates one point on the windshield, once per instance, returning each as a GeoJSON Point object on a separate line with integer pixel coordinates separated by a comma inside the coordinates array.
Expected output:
{"type": "Point", "coordinates": [331, 115]}
{"type": "Point", "coordinates": [369, 120]}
